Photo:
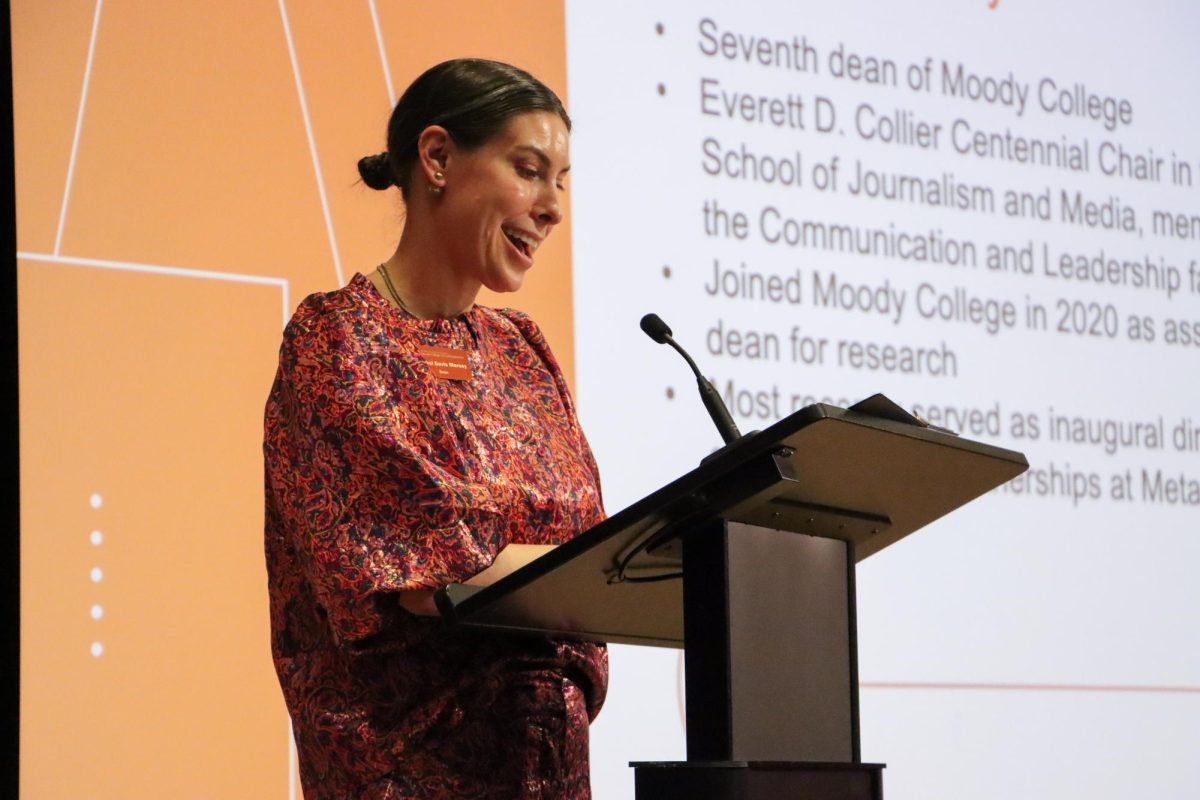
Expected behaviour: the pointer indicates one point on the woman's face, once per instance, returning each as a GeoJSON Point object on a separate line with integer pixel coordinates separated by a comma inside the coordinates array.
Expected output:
{"type": "Point", "coordinates": [502, 199]}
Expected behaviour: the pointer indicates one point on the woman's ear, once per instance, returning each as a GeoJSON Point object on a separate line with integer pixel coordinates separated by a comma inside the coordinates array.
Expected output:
{"type": "Point", "coordinates": [434, 146]}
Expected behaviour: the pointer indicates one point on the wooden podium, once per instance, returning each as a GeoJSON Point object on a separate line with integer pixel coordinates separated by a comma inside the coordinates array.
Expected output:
{"type": "Point", "coordinates": [747, 562]}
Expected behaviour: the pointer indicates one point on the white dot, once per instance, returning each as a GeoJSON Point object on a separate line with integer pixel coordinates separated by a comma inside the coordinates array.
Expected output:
{"type": "Point", "coordinates": [97, 611]}
{"type": "Point", "coordinates": [97, 649]}
{"type": "Point", "coordinates": [97, 501]}
{"type": "Point", "coordinates": [97, 574]}
{"type": "Point", "coordinates": [97, 537]}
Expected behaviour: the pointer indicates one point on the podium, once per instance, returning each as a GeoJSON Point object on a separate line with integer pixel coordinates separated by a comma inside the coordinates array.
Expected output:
{"type": "Point", "coordinates": [748, 562]}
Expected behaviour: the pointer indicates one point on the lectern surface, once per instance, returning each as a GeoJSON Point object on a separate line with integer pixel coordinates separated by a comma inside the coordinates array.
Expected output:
{"type": "Point", "coordinates": [823, 471]}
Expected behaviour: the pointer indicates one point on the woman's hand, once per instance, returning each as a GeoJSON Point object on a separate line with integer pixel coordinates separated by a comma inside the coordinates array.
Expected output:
{"type": "Point", "coordinates": [509, 560]}
{"type": "Point", "coordinates": [419, 602]}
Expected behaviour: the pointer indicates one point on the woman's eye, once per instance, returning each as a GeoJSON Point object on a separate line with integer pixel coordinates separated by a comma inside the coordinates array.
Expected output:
{"type": "Point", "coordinates": [527, 172]}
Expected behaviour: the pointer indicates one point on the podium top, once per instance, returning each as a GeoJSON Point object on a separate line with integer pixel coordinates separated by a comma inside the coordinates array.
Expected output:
{"type": "Point", "coordinates": [822, 471]}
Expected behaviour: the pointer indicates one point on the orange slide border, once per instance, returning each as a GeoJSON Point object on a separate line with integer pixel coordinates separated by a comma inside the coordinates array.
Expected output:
{"type": "Point", "coordinates": [185, 175]}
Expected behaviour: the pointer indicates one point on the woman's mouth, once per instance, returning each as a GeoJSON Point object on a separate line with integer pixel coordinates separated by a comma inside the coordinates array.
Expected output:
{"type": "Point", "coordinates": [524, 242]}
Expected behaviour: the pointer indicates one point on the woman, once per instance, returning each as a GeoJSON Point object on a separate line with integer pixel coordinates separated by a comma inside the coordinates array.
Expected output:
{"type": "Point", "coordinates": [410, 436]}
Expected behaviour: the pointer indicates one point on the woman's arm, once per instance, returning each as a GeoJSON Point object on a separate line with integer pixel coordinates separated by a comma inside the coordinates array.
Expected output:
{"type": "Point", "coordinates": [509, 560]}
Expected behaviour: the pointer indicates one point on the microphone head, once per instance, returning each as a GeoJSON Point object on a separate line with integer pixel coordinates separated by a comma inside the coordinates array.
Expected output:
{"type": "Point", "coordinates": [655, 328]}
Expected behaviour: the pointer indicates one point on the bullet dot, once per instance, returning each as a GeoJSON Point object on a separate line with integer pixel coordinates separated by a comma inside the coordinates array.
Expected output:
{"type": "Point", "coordinates": [97, 649]}
{"type": "Point", "coordinates": [97, 538]}
{"type": "Point", "coordinates": [97, 611]}
{"type": "Point", "coordinates": [666, 272]}
{"type": "Point", "coordinates": [96, 501]}
{"type": "Point", "coordinates": [662, 88]}
{"type": "Point", "coordinates": [670, 393]}
{"type": "Point", "coordinates": [658, 27]}
{"type": "Point", "coordinates": [97, 574]}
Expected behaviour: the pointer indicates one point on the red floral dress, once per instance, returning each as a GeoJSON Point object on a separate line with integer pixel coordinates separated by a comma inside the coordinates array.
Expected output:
{"type": "Point", "coordinates": [382, 478]}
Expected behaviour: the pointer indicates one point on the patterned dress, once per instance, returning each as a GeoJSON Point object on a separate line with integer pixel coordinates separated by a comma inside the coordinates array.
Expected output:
{"type": "Point", "coordinates": [381, 478]}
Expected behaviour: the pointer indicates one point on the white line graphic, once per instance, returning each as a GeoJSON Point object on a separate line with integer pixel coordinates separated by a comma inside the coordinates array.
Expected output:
{"type": "Point", "coordinates": [87, 78]}
{"type": "Point", "coordinates": [291, 762]}
{"type": "Point", "coordinates": [312, 144]}
{"type": "Point", "coordinates": [158, 269]}
{"type": "Point", "coordinates": [387, 72]}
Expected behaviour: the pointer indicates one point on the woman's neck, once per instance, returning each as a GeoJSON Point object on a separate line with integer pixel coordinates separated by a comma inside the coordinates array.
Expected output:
{"type": "Point", "coordinates": [425, 283]}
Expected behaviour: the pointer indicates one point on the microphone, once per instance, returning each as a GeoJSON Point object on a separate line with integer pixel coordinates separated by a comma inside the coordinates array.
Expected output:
{"type": "Point", "coordinates": [656, 329]}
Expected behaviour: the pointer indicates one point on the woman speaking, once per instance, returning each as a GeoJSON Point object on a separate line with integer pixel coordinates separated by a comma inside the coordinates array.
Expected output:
{"type": "Point", "coordinates": [411, 435]}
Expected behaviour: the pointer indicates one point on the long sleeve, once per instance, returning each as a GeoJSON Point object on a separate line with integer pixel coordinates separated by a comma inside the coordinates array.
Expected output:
{"type": "Point", "coordinates": [369, 509]}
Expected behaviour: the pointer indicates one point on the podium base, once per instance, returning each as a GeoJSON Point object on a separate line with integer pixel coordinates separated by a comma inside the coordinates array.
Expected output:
{"type": "Point", "coordinates": [756, 780]}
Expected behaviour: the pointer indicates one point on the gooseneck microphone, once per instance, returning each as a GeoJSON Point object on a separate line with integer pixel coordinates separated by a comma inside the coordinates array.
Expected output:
{"type": "Point", "coordinates": [657, 330]}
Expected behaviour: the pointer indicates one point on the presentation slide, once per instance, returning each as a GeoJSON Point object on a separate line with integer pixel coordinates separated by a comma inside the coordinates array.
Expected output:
{"type": "Point", "coordinates": [186, 175]}
{"type": "Point", "coordinates": [989, 214]}
{"type": "Point", "coordinates": [987, 210]}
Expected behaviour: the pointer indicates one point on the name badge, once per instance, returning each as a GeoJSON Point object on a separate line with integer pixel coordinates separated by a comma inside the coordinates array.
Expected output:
{"type": "Point", "coordinates": [447, 363]}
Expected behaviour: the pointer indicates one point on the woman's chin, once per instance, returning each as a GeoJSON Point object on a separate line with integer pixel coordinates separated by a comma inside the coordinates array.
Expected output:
{"type": "Point", "coordinates": [510, 280]}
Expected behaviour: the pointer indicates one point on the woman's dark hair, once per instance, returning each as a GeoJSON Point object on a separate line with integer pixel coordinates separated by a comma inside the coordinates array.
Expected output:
{"type": "Point", "coordinates": [472, 98]}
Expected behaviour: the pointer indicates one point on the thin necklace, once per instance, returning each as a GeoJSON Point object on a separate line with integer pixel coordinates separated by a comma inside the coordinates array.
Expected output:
{"type": "Point", "coordinates": [387, 280]}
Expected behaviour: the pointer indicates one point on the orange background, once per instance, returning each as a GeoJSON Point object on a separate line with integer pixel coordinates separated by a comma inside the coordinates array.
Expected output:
{"type": "Point", "coordinates": [153, 283]}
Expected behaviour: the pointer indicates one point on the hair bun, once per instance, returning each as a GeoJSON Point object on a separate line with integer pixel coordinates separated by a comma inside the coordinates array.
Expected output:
{"type": "Point", "coordinates": [375, 170]}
